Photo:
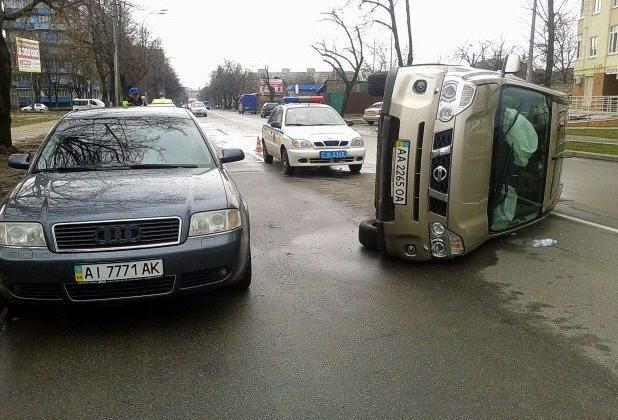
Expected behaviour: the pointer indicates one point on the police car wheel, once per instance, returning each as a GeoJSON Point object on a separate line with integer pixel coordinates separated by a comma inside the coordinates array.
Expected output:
{"type": "Point", "coordinates": [355, 168]}
{"type": "Point", "coordinates": [267, 157]}
{"type": "Point", "coordinates": [285, 161]}
{"type": "Point", "coordinates": [368, 234]}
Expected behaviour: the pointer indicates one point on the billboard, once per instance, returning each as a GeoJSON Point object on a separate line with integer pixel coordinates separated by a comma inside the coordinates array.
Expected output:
{"type": "Point", "coordinates": [276, 84]}
{"type": "Point", "coordinates": [28, 55]}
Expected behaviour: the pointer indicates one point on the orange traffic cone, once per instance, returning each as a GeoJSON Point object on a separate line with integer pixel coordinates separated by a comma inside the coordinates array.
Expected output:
{"type": "Point", "coordinates": [258, 145]}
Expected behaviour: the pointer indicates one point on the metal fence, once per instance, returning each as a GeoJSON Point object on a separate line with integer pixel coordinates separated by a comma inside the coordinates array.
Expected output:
{"type": "Point", "coordinates": [594, 104]}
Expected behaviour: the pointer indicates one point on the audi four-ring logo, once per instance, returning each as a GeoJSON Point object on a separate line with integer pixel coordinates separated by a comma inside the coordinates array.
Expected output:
{"type": "Point", "coordinates": [440, 173]}
{"type": "Point", "coordinates": [118, 234]}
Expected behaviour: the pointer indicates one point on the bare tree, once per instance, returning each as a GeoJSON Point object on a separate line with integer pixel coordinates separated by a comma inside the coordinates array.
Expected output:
{"type": "Point", "coordinates": [377, 7]}
{"type": "Point", "coordinates": [556, 38]}
{"type": "Point", "coordinates": [349, 57]}
{"type": "Point", "coordinates": [271, 90]}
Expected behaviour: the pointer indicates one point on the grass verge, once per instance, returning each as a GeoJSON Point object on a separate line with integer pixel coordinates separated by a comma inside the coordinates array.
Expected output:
{"type": "Point", "coordinates": [25, 118]}
{"type": "Point", "coordinates": [605, 133]}
{"type": "Point", "coordinates": [606, 149]}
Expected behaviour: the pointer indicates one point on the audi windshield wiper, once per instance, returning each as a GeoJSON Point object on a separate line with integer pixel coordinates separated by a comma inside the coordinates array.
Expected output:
{"type": "Point", "coordinates": [160, 165]}
{"type": "Point", "coordinates": [71, 169]}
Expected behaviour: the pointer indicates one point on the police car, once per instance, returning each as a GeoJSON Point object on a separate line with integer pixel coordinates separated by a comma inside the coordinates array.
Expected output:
{"type": "Point", "coordinates": [308, 133]}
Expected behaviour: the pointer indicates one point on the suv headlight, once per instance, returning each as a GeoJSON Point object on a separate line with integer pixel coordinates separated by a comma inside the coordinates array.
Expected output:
{"type": "Point", "coordinates": [455, 96]}
{"type": "Point", "coordinates": [303, 144]}
{"type": "Point", "coordinates": [218, 221]}
{"type": "Point", "coordinates": [357, 142]}
{"type": "Point", "coordinates": [22, 234]}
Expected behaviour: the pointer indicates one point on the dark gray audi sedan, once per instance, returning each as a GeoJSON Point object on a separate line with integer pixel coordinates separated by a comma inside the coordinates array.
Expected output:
{"type": "Point", "coordinates": [123, 204]}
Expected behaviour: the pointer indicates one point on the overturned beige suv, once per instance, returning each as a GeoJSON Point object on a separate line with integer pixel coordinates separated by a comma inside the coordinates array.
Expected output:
{"type": "Point", "coordinates": [463, 155]}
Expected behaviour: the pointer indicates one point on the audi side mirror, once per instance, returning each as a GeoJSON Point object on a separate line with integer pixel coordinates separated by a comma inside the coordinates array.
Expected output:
{"type": "Point", "coordinates": [232, 155]}
{"type": "Point", "coordinates": [19, 161]}
{"type": "Point", "coordinates": [350, 123]}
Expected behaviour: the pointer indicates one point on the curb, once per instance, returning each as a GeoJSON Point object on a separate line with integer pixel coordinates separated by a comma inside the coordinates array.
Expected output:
{"type": "Point", "coordinates": [587, 155]}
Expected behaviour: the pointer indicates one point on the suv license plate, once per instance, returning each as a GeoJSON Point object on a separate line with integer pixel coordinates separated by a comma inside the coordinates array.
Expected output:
{"type": "Point", "coordinates": [120, 271]}
{"type": "Point", "coordinates": [333, 154]}
{"type": "Point", "coordinates": [401, 157]}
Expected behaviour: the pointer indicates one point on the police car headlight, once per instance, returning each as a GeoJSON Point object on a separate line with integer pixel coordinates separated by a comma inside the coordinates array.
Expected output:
{"type": "Point", "coordinates": [357, 142]}
{"type": "Point", "coordinates": [303, 144]}
{"type": "Point", "coordinates": [22, 235]}
{"type": "Point", "coordinates": [218, 221]}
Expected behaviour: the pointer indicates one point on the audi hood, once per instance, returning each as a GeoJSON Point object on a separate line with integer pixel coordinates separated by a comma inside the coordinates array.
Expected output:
{"type": "Point", "coordinates": [49, 197]}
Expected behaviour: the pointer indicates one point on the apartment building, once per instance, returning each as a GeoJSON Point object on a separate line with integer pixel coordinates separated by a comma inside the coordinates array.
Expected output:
{"type": "Point", "coordinates": [596, 65]}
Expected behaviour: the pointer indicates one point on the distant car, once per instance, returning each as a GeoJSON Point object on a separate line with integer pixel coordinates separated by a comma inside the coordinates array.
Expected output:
{"type": "Point", "coordinates": [37, 108]}
{"type": "Point", "coordinates": [247, 103]}
{"type": "Point", "coordinates": [162, 102]}
{"type": "Point", "coordinates": [311, 135]}
{"type": "Point", "coordinates": [372, 114]}
{"type": "Point", "coordinates": [267, 109]}
{"type": "Point", "coordinates": [198, 108]}
{"type": "Point", "coordinates": [207, 104]}
{"type": "Point", "coordinates": [83, 104]}
{"type": "Point", "coordinates": [123, 204]}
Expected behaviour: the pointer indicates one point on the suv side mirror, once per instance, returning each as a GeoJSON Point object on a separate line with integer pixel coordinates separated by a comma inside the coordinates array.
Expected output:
{"type": "Point", "coordinates": [512, 64]}
{"type": "Point", "coordinates": [275, 124]}
{"type": "Point", "coordinates": [232, 155]}
{"type": "Point", "coordinates": [19, 161]}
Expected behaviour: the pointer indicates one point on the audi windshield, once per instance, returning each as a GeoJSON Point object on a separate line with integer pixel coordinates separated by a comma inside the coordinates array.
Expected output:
{"type": "Point", "coordinates": [134, 142]}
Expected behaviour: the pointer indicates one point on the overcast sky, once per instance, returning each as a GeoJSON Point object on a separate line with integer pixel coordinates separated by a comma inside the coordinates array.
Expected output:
{"type": "Point", "coordinates": [199, 34]}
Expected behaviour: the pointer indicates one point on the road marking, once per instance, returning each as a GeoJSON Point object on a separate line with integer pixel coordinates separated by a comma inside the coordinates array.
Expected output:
{"type": "Point", "coordinates": [586, 222]}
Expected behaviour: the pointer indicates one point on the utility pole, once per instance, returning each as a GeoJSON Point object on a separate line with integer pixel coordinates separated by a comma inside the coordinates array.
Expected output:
{"type": "Point", "coordinates": [531, 47]}
{"type": "Point", "coordinates": [115, 36]}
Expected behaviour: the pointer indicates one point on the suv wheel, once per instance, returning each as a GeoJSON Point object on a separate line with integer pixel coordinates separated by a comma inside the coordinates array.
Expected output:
{"type": "Point", "coordinates": [368, 234]}
{"type": "Point", "coordinates": [285, 161]}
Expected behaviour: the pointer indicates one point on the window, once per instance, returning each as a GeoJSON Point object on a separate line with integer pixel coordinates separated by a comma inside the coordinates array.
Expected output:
{"type": "Point", "coordinates": [520, 150]}
{"type": "Point", "coordinates": [593, 46]}
{"type": "Point", "coordinates": [307, 116]}
{"type": "Point", "coordinates": [613, 39]}
{"type": "Point", "coordinates": [578, 47]}
{"type": "Point", "coordinates": [596, 8]}
{"type": "Point", "coordinates": [118, 143]}
{"type": "Point", "coordinates": [614, 3]}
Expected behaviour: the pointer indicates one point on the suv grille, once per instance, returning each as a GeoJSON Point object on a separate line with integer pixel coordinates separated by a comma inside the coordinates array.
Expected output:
{"type": "Point", "coordinates": [440, 172]}
{"type": "Point", "coordinates": [121, 234]}
{"type": "Point", "coordinates": [121, 289]}
{"type": "Point", "coordinates": [442, 139]}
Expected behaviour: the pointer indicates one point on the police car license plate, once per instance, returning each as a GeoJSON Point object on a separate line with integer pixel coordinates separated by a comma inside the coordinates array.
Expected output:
{"type": "Point", "coordinates": [119, 271]}
{"type": "Point", "coordinates": [333, 154]}
{"type": "Point", "coordinates": [401, 157]}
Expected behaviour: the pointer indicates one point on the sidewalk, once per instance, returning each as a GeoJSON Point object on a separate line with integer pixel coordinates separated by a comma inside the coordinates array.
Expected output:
{"type": "Point", "coordinates": [30, 131]}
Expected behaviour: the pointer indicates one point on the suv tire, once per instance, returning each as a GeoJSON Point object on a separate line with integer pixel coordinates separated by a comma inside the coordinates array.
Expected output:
{"type": "Point", "coordinates": [368, 234]}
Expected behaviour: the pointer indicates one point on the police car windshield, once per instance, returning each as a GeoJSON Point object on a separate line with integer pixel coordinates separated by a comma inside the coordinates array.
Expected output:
{"type": "Point", "coordinates": [308, 116]}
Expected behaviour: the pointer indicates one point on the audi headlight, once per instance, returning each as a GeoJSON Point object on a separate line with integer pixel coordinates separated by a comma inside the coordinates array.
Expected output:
{"type": "Point", "coordinates": [357, 142]}
{"type": "Point", "coordinates": [210, 222]}
{"type": "Point", "coordinates": [303, 144]}
{"type": "Point", "coordinates": [22, 235]}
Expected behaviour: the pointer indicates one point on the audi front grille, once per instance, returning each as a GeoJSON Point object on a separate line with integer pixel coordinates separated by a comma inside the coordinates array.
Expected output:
{"type": "Point", "coordinates": [116, 234]}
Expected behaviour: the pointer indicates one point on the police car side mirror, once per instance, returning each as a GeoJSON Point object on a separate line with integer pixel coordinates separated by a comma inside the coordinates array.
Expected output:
{"type": "Point", "coordinates": [275, 124]}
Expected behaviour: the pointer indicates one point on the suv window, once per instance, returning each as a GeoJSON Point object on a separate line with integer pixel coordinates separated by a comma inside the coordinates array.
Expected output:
{"type": "Point", "coordinates": [520, 150]}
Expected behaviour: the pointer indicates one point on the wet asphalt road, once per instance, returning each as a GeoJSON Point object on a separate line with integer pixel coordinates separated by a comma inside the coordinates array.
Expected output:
{"type": "Point", "coordinates": [329, 330]}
